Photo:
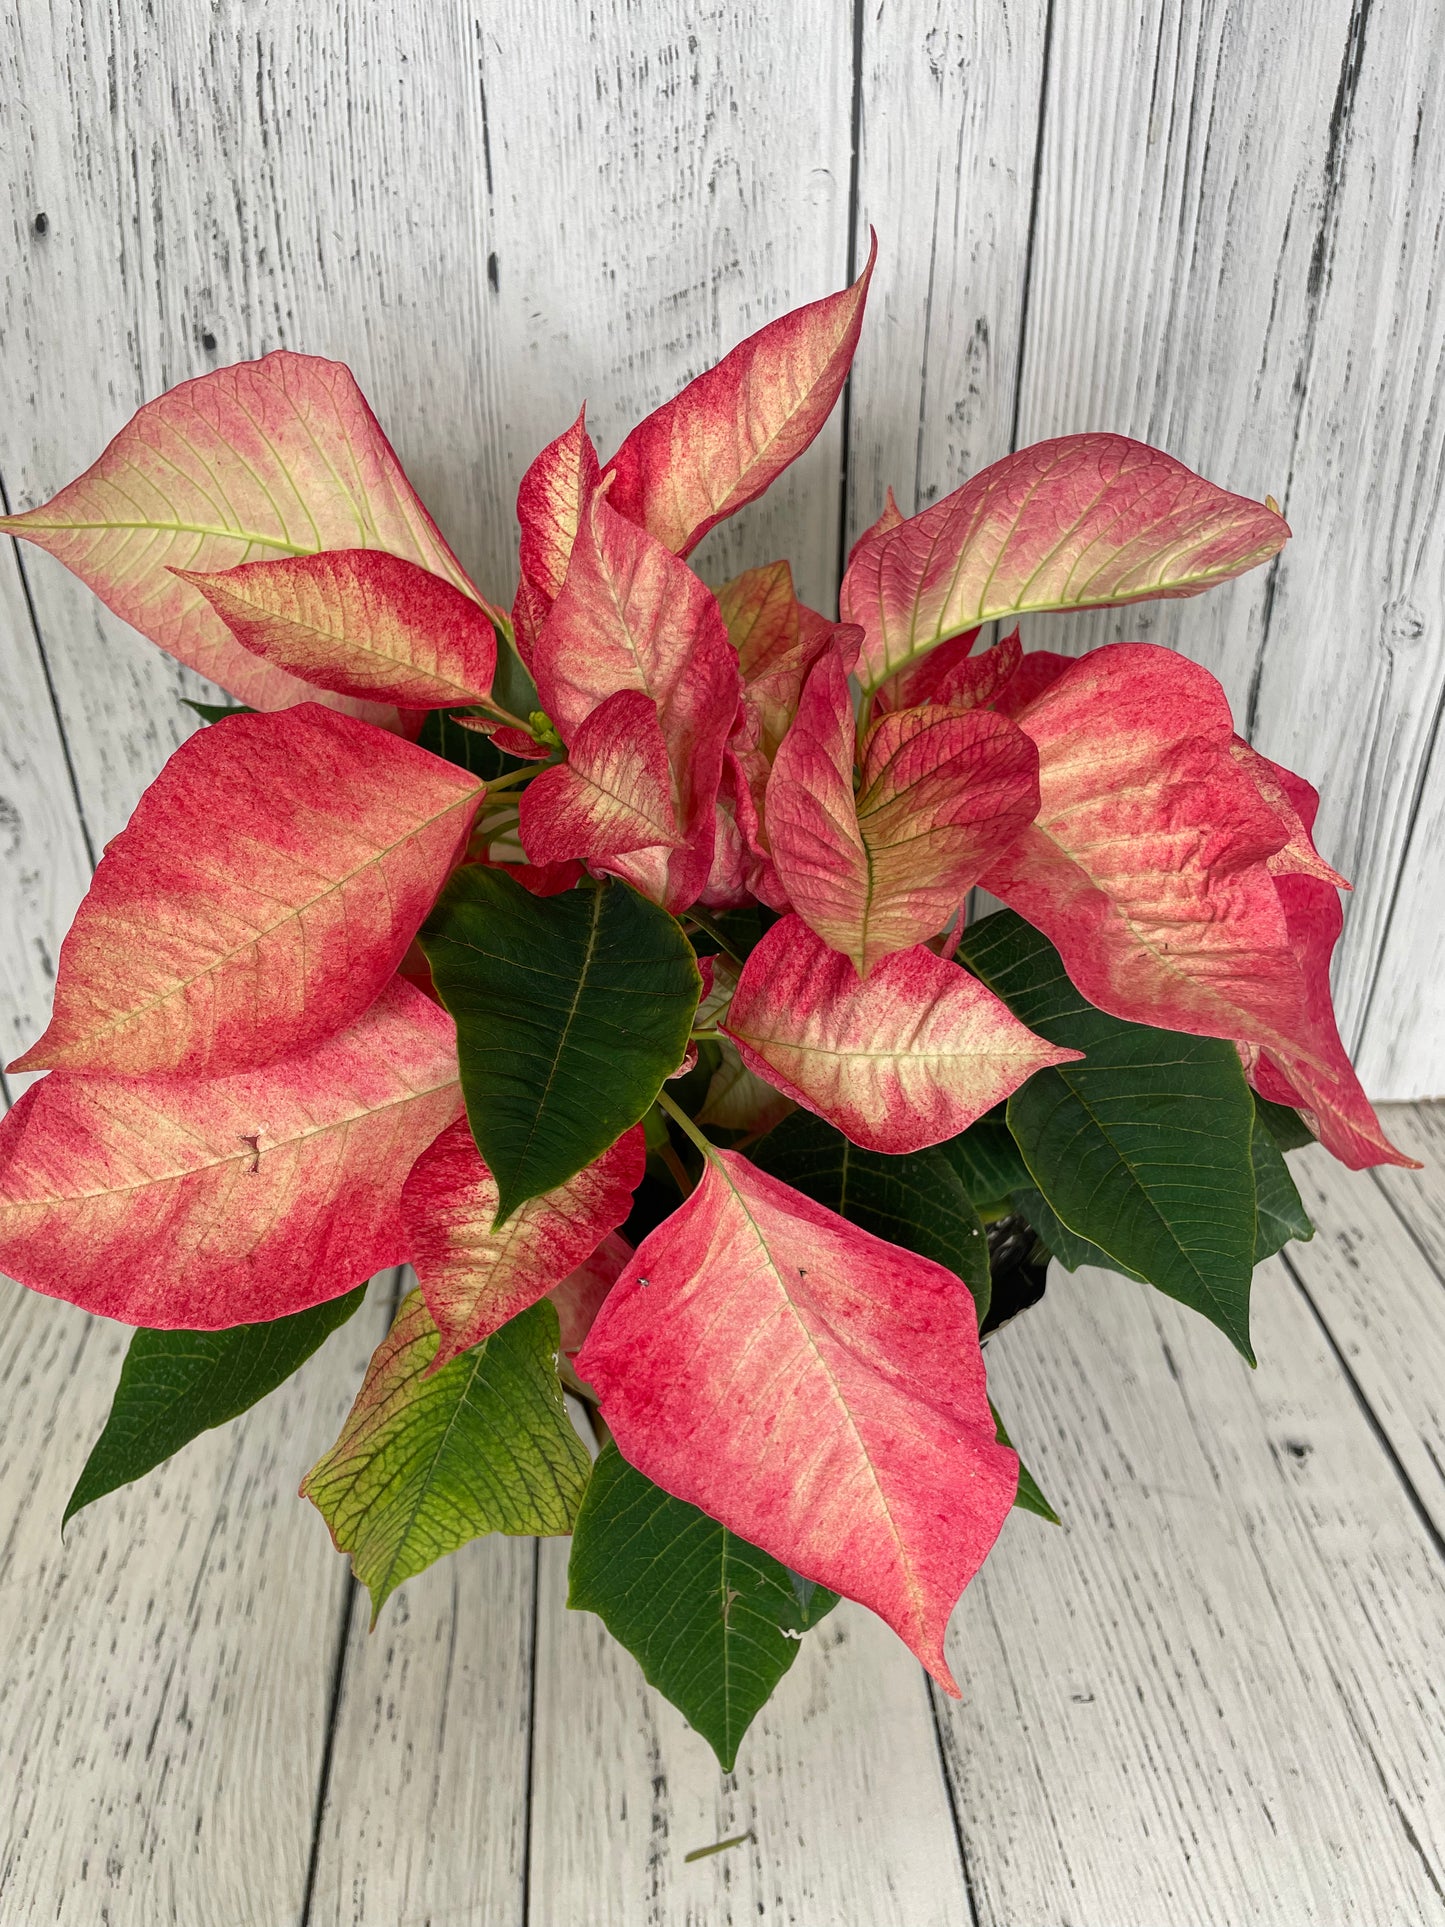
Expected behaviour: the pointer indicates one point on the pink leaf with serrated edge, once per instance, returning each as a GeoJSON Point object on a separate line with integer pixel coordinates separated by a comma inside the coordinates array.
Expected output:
{"type": "Point", "coordinates": [716, 446]}
{"type": "Point", "coordinates": [943, 795]}
{"type": "Point", "coordinates": [360, 622]}
{"type": "Point", "coordinates": [907, 1059]}
{"type": "Point", "coordinates": [475, 1278]}
{"type": "Point", "coordinates": [1082, 522]}
{"type": "Point", "coordinates": [268, 458]}
{"type": "Point", "coordinates": [581, 1294]}
{"type": "Point", "coordinates": [550, 501]}
{"type": "Point", "coordinates": [264, 891]}
{"type": "Point", "coordinates": [1153, 868]}
{"type": "Point", "coordinates": [631, 616]}
{"type": "Point", "coordinates": [197, 1203]}
{"type": "Point", "coordinates": [952, 676]}
{"type": "Point", "coordinates": [612, 796]}
{"type": "Point", "coordinates": [818, 1391]}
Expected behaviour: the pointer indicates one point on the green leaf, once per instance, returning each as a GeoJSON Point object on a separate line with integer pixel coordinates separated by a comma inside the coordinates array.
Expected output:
{"type": "Point", "coordinates": [426, 1463]}
{"type": "Point", "coordinates": [174, 1385]}
{"type": "Point", "coordinates": [987, 1159]}
{"type": "Point", "coordinates": [217, 712]}
{"type": "Point", "coordinates": [712, 1622]}
{"type": "Point", "coordinates": [917, 1201]}
{"type": "Point", "coordinates": [1065, 1245]}
{"type": "Point", "coordinates": [1029, 1497]}
{"type": "Point", "coordinates": [1286, 1126]}
{"type": "Point", "coordinates": [1282, 1215]}
{"type": "Point", "coordinates": [571, 1012]}
{"type": "Point", "coordinates": [1144, 1148]}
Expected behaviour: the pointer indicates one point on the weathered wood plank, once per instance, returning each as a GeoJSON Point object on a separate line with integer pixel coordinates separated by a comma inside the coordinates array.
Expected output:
{"type": "Point", "coordinates": [44, 867]}
{"type": "Point", "coordinates": [168, 1668]}
{"type": "Point", "coordinates": [1181, 190]}
{"type": "Point", "coordinates": [1353, 676]}
{"type": "Point", "coordinates": [1214, 1696]}
{"type": "Point", "coordinates": [948, 112]}
{"type": "Point", "coordinates": [426, 1801]}
{"type": "Point", "coordinates": [1393, 1340]}
{"type": "Point", "coordinates": [838, 1783]}
{"type": "Point", "coordinates": [1418, 1196]}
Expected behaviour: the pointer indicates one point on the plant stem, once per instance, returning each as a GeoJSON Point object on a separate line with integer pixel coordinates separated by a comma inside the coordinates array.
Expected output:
{"type": "Point", "coordinates": [680, 1116]}
{"type": "Point", "coordinates": [514, 777]}
{"type": "Point", "coordinates": [705, 924]}
{"type": "Point", "coordinates": [676, 1169]}
{"type": "Point", "coordinates": [706, 1034]}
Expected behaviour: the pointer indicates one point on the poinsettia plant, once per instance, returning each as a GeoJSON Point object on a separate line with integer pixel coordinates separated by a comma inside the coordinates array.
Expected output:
{"type": "Point", "coordinates": [608, 961]}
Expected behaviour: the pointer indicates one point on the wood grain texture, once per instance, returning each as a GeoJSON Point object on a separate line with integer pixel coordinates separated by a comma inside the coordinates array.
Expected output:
{"type": "Point", "coordinates": [1392, 1341]}
{"type": "Point", "coordinates": [163, 1702]}
{"type": "Point", "coordinates": [1214, 1697]}
{"type": "Point", "coordinates": [44, 865]}
{"type": "Point", "coordinates": [426, 1798]}
{"type": "Point", "coordinates": [1181, 189]}
{"type": "Point", "coordinates": [1352, 676]}
{"type": "Point", "coordinates": [838, 1782]}
{"type": "Point", "coordinates": [948, 126]}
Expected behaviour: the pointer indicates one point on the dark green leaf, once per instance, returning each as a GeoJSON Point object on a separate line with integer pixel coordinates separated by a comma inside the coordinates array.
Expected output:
{"type": "Point", "coordinates": [1286, 1126]}
{"type": "Point", "coordinates": [217, 712]}
{"type": "Point", "coordinates": [424, 1464]}
{"type": "Point", "coordinates": [1029, 1497]}
{"type": "Point", "coordinates": [917, 1201]}
{"type": "Point", "coordinates": [1067, 1246]}
{"type": "Point", "coordinates": [987, 1159]}
{"type": "Point", "coordinates": [175, 1385]}
{"type": "Point", "coordinates": [1144, 1148]}
{"type": "Point", "coordinates": [712, 1622]}
{"type": "Point", "coordinates": [1282, 1215]}
{"type": "Point", "coordinates": [571, 1011]}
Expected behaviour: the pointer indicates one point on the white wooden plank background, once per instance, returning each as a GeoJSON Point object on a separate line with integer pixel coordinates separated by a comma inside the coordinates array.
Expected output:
{"type": "Point", "coordinates": [1214, 1695]}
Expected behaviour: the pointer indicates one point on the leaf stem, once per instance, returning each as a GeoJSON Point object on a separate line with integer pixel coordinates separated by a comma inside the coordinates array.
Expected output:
{"type": "Point", "coordinates": [709, 1032]}
{"type": "Point", "coordinates": [514, 777]}
{"type": "Point", "coordinates": [711, 929]}
{"type": "Point", "coordinates": [680, 1116]}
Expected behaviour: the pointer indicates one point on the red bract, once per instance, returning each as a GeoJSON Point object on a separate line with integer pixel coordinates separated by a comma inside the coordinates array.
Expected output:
{"type": "Point", "coordinates": [913, 1056]}
{"type": "Point", "coordinates": [715, 447]}
{"type": "Point", "coordinates": [1077, 523]}
{"type": "Point", "coordinates": [555, 490]}
{"type": "Point", "coordinates": [475, 1277]}
{"type": "Point", "coordinates": [197, 1203]}
{"type": "Point", "coordinates": [613, 796]}
{"type": "Point", "coordinates": [258, 900]}
{"type": "Point", "coordinates": [360, 622]}
{"type": "Point", "coordinates": [631, 616]}
{"type": "Point", "coordinates": [941, 795]}
{"type": "Point", "coordinates": [274, 457]}
{"type": "Point", "coordinates": [817, 1390]}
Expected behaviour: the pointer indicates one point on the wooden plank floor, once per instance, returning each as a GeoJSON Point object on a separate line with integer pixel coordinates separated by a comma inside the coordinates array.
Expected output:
{"type": "Point", "coordinates": [1213, 1699]}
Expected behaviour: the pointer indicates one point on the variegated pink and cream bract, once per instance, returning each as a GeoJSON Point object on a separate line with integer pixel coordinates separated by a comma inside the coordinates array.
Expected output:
{"type": "Point", "coordinates": [251, 1103]}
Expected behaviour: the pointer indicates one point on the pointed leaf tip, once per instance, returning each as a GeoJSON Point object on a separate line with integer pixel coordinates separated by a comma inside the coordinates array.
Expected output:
{"type": "Point", "coordinates": [907, 1059]}
{"type": "Point", "coordinates": [270, 458]}
{"type": "Point", "coordinates": [814, 1389]}
{"type": "Point", "coordinates": [262, 894]}
{"type": "Point", "coordinates": [730, 433]}
{"type": "Point", "coordinates": [360, 622]}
